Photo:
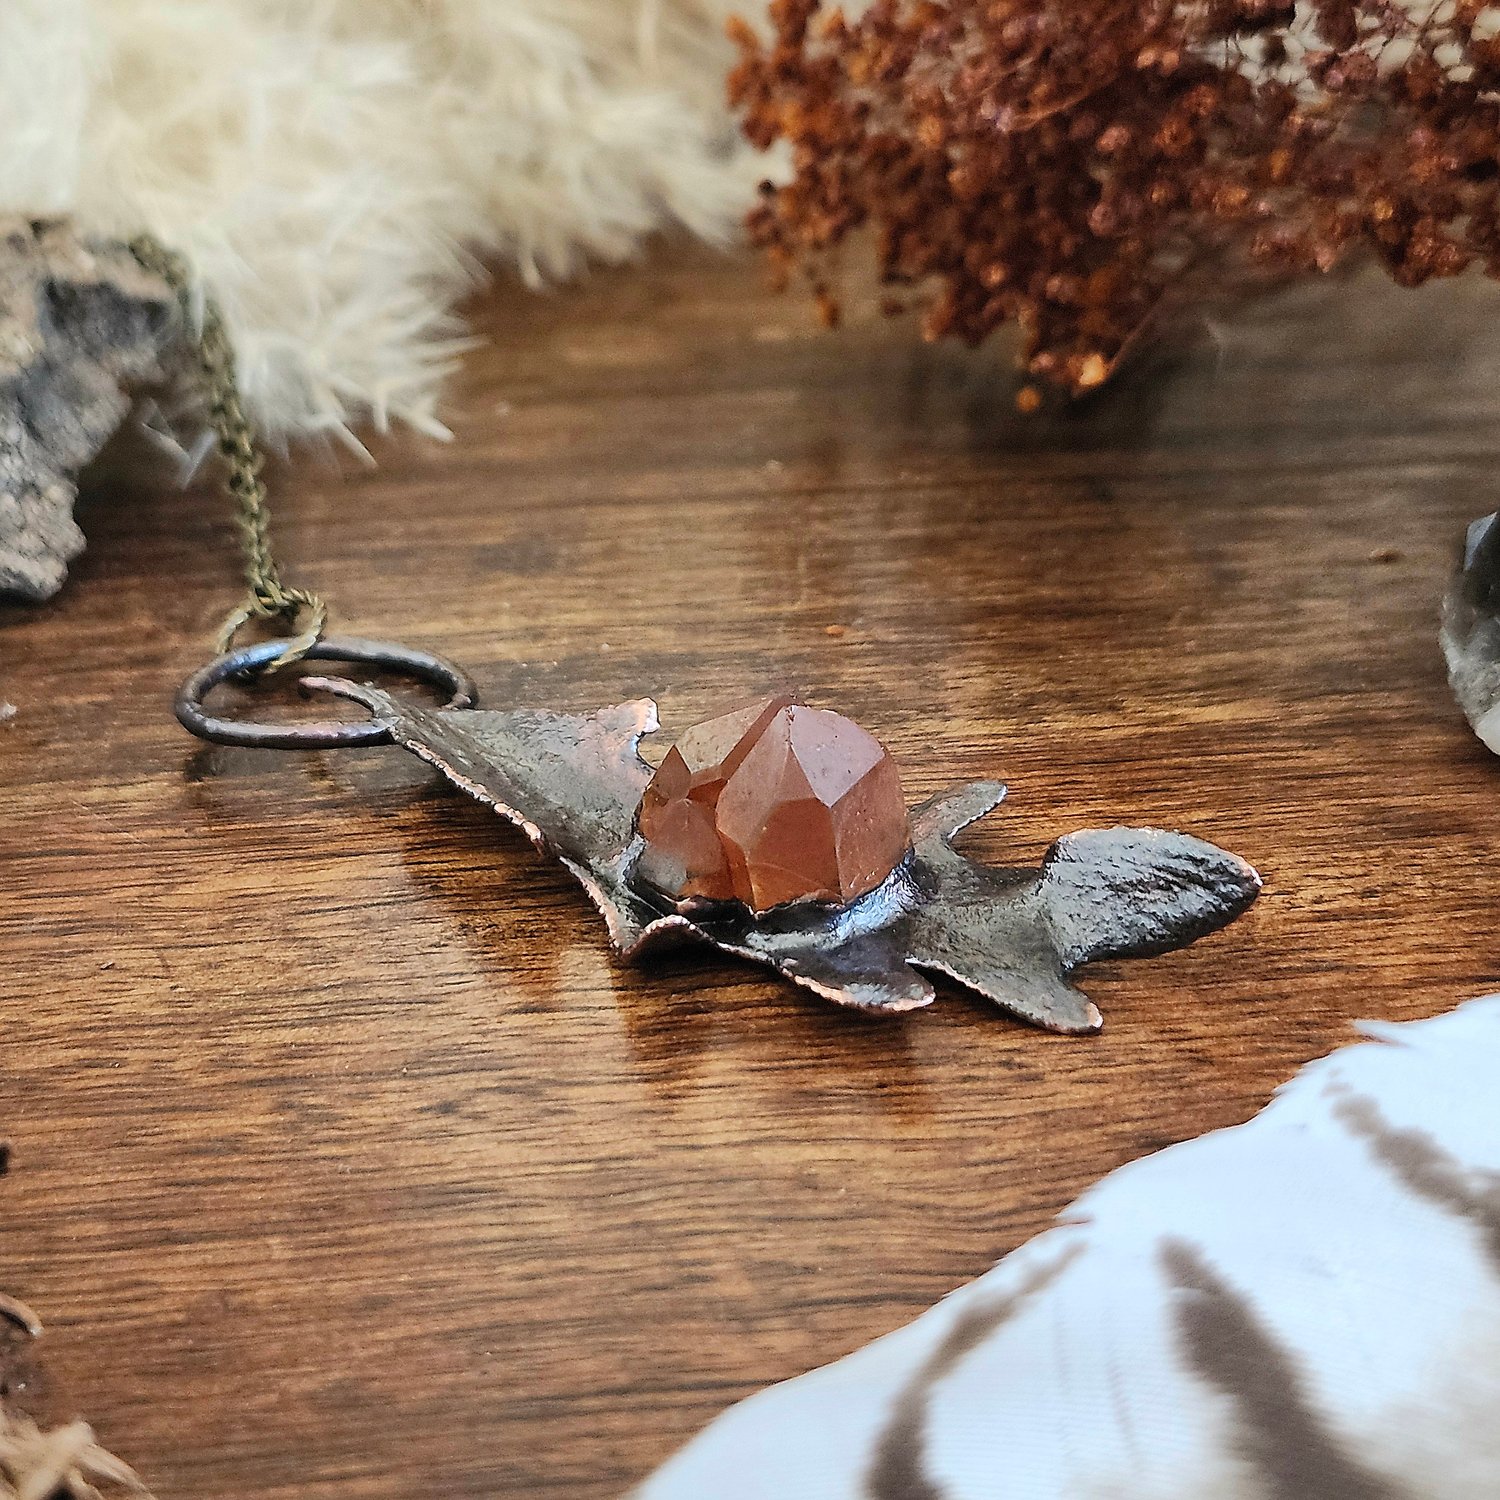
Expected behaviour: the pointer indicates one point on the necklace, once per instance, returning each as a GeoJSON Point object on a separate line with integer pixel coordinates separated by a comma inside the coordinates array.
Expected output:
{"type": "Point", "coordinates": [776, 833]}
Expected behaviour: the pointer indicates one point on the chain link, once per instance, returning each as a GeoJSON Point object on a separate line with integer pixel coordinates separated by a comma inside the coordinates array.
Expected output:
{"type": "Point", "coordinates": [269, 598]}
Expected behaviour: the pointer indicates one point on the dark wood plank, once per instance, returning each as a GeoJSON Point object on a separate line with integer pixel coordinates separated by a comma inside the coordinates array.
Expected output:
{"type": "Point", "coordinates": [348, 1162]}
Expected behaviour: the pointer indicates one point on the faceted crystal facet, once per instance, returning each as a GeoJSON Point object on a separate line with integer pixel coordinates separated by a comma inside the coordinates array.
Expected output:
{"type": "Point", "coordinates": [777, 802]}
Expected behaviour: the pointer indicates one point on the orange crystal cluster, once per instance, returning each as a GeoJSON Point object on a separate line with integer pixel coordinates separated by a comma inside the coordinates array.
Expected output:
{"type": "Point", "coordinates": [777, 802]}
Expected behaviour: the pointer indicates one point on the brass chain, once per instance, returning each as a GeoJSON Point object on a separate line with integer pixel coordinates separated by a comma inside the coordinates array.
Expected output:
{"type": "Point", "coordinates": [269, 598]}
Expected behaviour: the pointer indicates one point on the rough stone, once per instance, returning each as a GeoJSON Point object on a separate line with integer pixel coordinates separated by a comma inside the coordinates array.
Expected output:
{"type": "Point", "coordinates": [774, 803]}
{"type": "Point", "coordinates": [80, 323]}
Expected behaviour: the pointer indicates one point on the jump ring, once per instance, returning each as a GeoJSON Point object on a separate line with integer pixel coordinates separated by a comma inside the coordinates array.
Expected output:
{"type": "Point", "coordinates": [423, 665]}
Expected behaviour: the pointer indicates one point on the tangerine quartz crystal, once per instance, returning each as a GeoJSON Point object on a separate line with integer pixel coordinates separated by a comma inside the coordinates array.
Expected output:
{"type": "Point", "coordinates": [776, 802]}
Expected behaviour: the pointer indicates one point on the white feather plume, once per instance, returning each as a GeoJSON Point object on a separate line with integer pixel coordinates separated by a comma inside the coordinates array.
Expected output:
{"type": "Point", "coordinates": [336, 169]}
{"type": "Point", "coordinates": [1306, 1307]}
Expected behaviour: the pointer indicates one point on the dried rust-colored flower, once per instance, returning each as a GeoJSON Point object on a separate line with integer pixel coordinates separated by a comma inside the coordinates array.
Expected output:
{"type": "Point", "coordinates": [1077, 167]}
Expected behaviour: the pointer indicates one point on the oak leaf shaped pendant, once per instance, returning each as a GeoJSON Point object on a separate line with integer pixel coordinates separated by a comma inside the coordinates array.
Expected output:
{"type": "Point", "coordinates": [778, 834]}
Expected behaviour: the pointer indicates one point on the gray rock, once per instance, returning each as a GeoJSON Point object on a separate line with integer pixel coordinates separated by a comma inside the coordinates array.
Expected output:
{"type": "Point", "coordinates": [81, 324]}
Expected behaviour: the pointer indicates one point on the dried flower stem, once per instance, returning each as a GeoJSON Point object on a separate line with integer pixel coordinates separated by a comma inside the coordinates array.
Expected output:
{"type": "Point", "coordinates": [1073, 166]}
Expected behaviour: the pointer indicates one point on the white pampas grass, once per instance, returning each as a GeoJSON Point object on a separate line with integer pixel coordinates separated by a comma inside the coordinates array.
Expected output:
{"type": "Point", "coordinates": [336, 169]}
{"type": "Point", "coordinates": [1306, 1307]}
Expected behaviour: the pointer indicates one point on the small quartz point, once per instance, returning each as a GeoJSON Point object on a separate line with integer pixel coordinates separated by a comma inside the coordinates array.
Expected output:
{"type": "Point", "coordinates": [1471, 630]}
{"type": "Point", "coordinates": [776, 802]}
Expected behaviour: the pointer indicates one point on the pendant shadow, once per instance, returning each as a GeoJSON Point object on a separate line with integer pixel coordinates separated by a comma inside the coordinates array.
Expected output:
{"type": "Point", "coordinates": [679, 1008]}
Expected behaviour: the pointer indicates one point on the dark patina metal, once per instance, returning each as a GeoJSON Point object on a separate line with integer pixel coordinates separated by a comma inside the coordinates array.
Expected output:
{"type": "Point", "coordinates": [246, 661]}
{"type": "Point", "coordinates": [573, 784]}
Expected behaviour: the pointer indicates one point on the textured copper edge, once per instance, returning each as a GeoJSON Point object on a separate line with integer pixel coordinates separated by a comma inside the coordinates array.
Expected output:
{"type": "Point", "coordinates": [572, 784]}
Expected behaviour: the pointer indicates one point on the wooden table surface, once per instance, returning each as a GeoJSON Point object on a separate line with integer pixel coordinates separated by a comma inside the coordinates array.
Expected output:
{"type": "Point", "coordinates": [346, 1159]}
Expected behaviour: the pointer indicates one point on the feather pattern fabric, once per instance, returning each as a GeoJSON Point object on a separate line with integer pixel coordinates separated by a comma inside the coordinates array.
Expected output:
{"type": "Point", "coordinates": [1306, 1307]}
{"type": "Point", "coordinates": [337, 169]}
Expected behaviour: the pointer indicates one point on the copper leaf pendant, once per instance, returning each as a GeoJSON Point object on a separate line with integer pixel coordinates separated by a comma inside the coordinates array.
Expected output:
{"type": "Point", "coordinates": [574, 784]}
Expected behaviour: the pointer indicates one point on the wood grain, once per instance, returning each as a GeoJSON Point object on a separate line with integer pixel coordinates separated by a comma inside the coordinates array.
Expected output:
{"type": "Point", "coordinates": [348, 1163]}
